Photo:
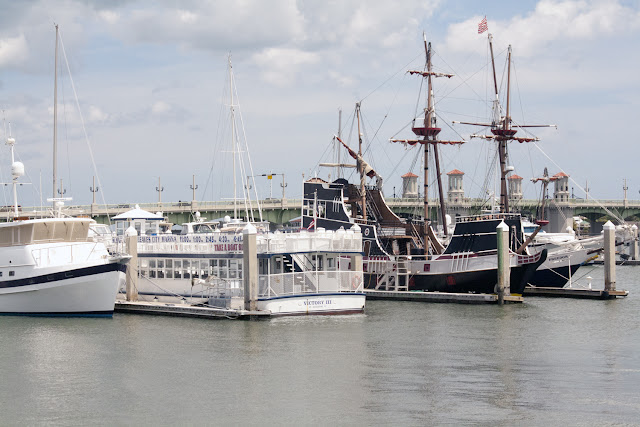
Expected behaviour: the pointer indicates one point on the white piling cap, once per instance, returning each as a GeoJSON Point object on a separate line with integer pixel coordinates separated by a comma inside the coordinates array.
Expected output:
{"type": "Point", "coordinates": [131, 231]}
{"type": "Point", "coordinates": [608, 226]}
{"type": "Point", "coordinates": [634, 227]}
{"type": "Point", "coordinates": [502, 226]}
{"type": "Point", "coordinates": [249, 229]}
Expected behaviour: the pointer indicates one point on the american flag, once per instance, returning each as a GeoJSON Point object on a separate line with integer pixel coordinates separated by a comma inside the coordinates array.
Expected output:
{"type": "Point", "coordinates": [482, 26]}
{"type": "Point", "coordinates": [312, 225]}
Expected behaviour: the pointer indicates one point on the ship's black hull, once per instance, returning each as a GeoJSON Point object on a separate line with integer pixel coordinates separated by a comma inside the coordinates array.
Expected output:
{"type": "Point", "coordinates": [480, 281]}
{"type": "Point", "coordinates": [553, 277]}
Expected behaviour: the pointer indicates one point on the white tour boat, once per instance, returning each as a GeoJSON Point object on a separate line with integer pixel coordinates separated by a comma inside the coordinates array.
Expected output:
{"type": "Point", "coordinates": [298, 273]}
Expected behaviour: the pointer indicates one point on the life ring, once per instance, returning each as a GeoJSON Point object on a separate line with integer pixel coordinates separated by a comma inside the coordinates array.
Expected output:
{"type": "Point", "coordinates": [355, 282]}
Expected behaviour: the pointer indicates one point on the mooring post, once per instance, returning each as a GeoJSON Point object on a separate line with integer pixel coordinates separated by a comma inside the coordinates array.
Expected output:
{"type": "Point", "coordinates": [131, 239]}
{"type": "Point", "coordinates": [634, 244]}
{"type": "Point", "coordinates": [356, 260]}
{"type": "Point", "coordinates": [504, 270]}
{"type": "Point", "coordinates": [609, 256]}
{"type": "Point", "coordinates": [250, 267]}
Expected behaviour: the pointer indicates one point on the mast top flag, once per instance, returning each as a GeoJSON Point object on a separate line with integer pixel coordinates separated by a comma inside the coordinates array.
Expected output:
{"type": "Point", "coordinates": [482, 26]}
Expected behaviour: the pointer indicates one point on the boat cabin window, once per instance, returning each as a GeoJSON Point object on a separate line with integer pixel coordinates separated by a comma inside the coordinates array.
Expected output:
{"type": "Point", "coordinates": [223, 269]}
{"type": "Point", "coordinates": [202, 228]}
{"type": "Point", "coordinates": [263, 266]}
{"type": "Point", "coordinates": [317, 262]}
{"type": "Point", "coordinates": [276, 267]}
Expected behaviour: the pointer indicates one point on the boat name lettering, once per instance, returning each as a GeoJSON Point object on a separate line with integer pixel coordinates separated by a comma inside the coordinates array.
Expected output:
{"type": "Point", "coordinates": [318, 302]}
{"type": "Point", "coordinates": [224, 247]}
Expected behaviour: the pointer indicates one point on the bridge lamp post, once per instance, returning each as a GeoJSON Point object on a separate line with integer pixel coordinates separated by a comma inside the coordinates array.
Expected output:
{"type": "Point", "coordinates": [159, 189]}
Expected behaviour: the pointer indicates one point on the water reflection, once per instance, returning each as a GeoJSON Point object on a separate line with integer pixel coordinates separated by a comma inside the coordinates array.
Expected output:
{"type": "Point", "coordinates": [547, 361]}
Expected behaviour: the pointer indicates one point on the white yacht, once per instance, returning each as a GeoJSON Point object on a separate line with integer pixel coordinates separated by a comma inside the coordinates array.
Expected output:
{"type": "Point", "coordinates": [52, 267]}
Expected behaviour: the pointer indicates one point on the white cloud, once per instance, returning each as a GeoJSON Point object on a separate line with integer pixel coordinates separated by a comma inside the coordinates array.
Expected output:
{"type": "Point", "coordinates": [280, 66]}
{"type": "Point", "coordinates": [210, 25]}
{"type": "Point", "coordinates": [160, 107]}
{"type": "Point", "coordinates": [550, 21]}
{"type": "Point", "coordinates": [109, 16]}
{"type": "Point", "coordinates": [13, 51]}
{"type": "Point", "coordinates": [97, 115]}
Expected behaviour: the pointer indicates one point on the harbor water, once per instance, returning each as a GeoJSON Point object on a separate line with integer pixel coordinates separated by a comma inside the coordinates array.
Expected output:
{"type": "Point", "coordinates": [547, 361]}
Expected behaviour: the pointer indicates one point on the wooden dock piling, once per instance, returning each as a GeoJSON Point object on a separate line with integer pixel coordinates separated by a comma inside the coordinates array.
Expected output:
{"type": "Point", "coordinates": [504, 270]}
{"type": "Point", "coordinates": [250, 267]}
{"type": "Point", "coordinates": [609, 256]}
{"type": "Point", "coordinates": [131, 237]}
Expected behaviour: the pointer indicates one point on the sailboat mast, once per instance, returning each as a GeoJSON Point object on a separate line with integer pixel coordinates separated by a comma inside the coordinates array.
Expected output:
{"type": "Point", "coordinates": [363, 194]}
{"type": "Point", "coordinates": [233, 143]}
{"type": "Point", "coordinates": [55, 120]}
{"type": "Point", "coordinates": [338, 168]}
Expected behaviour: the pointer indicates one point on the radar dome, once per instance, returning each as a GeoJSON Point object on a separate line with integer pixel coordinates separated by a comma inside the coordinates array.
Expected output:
{"type": "Point", "coordinates": [17, 169]}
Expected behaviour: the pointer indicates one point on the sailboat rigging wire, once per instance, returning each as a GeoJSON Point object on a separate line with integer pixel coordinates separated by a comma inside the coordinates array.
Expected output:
{"type": "Point", "coordinates": [390, 77]}
{"type": "Point", "coordinates": [84, 130]}
{"type": "Point", "coordinates": [619, 219]}
{"type": "Point", "coordinates": [66, 139]}
{"type": "Point", "coordinates": [221, 112]}
{"type": "Point", "coordinates": [246, 145]}
{"type": "Point", "coordinates": [464, 81]}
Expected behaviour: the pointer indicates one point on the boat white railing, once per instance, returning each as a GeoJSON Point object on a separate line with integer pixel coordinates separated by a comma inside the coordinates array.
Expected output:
{"type": "Point", "coordinates": [268, 243]}
{"type": "Point", "coordinates": [310, 282]}
{"type": "Point", "coordinates": [288, 284]}
{"type": "Point", "coordinates": [320, 240]}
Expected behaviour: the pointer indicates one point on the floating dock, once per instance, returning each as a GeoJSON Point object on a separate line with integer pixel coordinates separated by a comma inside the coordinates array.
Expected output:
{"type": "Point", "coordinates": [441, 297]}
{"type": "Point", "coordinates": [618, 262]}
{"type": "Point", "coordinates": [583, 293]}
{"type": "Point", "coordinates": [186, 310]}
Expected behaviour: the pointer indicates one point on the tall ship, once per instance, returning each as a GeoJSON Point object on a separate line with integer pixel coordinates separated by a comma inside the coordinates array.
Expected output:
{"type": "Point", "coordinates": [405, 254]}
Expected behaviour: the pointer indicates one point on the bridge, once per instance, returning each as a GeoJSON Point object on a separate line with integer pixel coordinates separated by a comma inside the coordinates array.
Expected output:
{"type": "Point", "coordinates": [281, 211]}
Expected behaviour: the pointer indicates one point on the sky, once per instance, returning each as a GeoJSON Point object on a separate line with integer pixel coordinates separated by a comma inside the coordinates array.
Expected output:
{"type": "Point", "coordinates": [151, 82]}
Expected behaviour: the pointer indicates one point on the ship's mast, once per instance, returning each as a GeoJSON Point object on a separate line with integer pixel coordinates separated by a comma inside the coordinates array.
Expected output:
{"type": "Point", "coordinates": [436, 157]}
{"type": "Point", "coordinates": [545, 179]}
{"type": "Point", "coordinates": [501, 129]}
{"type": "Point", "coordinates": [430, 131]}
{"type": "Point", "coordinates": [363, 194]}
{"type": "Point", "coordinates": [55, 122]}
{"type": "Point", "coordinates": [429, 135]}
{"type": "Point", "coordinates": [502, 125]}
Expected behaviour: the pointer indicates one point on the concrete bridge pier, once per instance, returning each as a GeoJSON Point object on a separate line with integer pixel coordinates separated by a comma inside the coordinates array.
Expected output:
{"type": "Point", "coordinates": [559, 217]}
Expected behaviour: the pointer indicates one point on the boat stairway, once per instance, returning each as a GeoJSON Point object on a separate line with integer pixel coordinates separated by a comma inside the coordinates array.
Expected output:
{"type": "Point", "coordinates": [396, 280]}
